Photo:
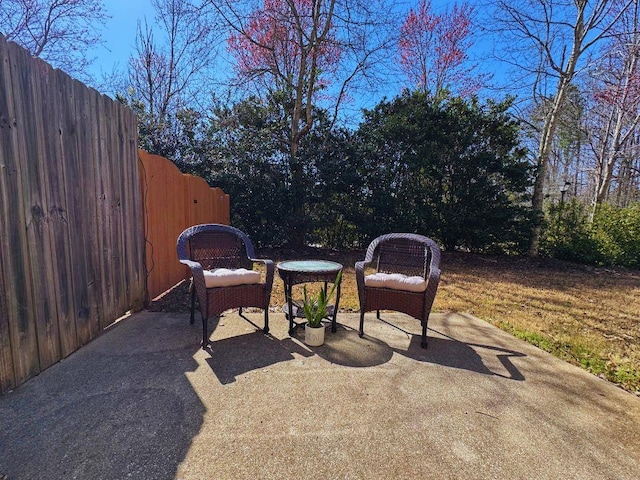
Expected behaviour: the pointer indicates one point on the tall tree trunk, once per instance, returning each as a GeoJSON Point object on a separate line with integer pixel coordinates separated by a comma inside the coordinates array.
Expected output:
{"type": "Point", "coordinates": [544, 153]}
{"type": "Point", "coordinates": [297, 223]}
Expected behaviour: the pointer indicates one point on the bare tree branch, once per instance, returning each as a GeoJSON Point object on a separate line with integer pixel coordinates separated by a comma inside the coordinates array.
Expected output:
{"type": "Point", "coordinates": [58, 31]}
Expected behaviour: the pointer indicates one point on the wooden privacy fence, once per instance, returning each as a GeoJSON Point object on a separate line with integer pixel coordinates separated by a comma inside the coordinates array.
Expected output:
{"type": "Point", "coordinates": [71, 230]}
{"type": "Point", "coordinates": [172, 202]}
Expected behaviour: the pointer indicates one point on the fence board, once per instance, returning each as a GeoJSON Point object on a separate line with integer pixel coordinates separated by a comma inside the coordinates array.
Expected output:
{"type": "Point", "coordinates": [202, 202]}
{"type": "Point", "coordinates": [88, 151]}
{"type": "Point", "coordinates": [222, 207]}
{"type": "Point", "coordinates": [45, 208]}
{"type": "Point", "coordinates": [7, 376]}
{"type": "Point", "coordinates": [122, 234]}
{"type": "Point", "coordinates": [7, 379]}
{"type": "Point", "coordinates": [135, 273]}
{"type": "Point", "coordinates": [16, 245]}
{"type": "Point", "coordinates": [104, 215]}
{"type": "Point", "coordinates": [57, 212]}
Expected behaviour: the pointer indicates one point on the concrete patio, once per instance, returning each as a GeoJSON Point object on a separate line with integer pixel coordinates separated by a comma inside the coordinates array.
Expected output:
{"type": "Point", "coordinates": [143, 401]}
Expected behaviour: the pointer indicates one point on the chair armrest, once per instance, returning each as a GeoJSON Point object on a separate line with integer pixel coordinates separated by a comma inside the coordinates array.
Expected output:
{"type": "Point", "coordinates": [432, 286]}
{"type": "Point", "coordinates": [270, 272]}
{"type": "Point", "coordinates": [197, 272]}
{"type": "Point", "coordinates": [360, 266]}
{"type": "Point", "coordinates": [434, 276]}
{"type": "Point", "coordinates": [195, 267]}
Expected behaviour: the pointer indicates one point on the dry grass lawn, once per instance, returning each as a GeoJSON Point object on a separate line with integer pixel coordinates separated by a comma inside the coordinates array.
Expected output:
{"type": "Point", "coordinates": [587, 316]}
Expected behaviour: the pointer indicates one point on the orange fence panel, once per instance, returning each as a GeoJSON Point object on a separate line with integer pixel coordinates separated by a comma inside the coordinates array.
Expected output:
{"type": "Point", "coordinates": [172, 202]}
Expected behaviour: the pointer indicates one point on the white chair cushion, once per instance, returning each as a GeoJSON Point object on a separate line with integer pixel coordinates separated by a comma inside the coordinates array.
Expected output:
{"type": "Point", "coordinates": [396, 281]}
{"type": "Point", "coordinates": [223, 277]}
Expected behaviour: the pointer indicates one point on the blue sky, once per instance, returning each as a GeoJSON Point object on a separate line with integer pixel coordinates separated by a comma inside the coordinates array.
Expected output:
{"type": "Point", "coordinates": [119, 34]}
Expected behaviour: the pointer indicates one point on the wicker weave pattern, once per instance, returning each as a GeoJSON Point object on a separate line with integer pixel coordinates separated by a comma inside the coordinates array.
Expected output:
{"type": "Point", "coordinates": [208, 246]}
{"type": "Point", "coordinates": [405, 253]}
{"type": "Point", "coordinates": [222, 299]}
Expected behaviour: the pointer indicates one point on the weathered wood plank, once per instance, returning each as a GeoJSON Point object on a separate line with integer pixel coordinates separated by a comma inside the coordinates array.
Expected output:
{"type": "Point", "coordinates": [16, 259]}
{"type": "Point", "coordinates": [54, 90]}
{"type": "Point", "coordinates": [81, 199]}
{"type": "Point", "coordinates": [72, 267]}
{"type": "Point", "coordinates": [140, 273]}
{"type": "Point", "coordinates": [7, 376]}
{"type": "Point", "coordinates": [132, 211]}
{"type": "Point", "coordinates": [33, 77]}
{"type": "Point", "coordinates": [105, 213]}
{"type": "Point", "coordinates": [118, 177]}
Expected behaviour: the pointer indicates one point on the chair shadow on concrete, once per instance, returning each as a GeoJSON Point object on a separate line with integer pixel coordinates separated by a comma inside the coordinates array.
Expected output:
{"type": "Point", "coordinates": [450, 352]}
{"type": "Point", "coordinates": [240, 354]}
{"type": "Point", "coordinates": [234, 356]}
{"type": "Point", "coordinates": [453, 353]}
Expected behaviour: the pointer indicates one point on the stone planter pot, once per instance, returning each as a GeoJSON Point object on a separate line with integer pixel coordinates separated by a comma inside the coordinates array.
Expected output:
{"type": "Point", "coordinates": [314, 336]}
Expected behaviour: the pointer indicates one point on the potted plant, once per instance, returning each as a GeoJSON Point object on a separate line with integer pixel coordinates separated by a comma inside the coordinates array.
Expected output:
{"type": "Point", "coordinates": [315, 309]}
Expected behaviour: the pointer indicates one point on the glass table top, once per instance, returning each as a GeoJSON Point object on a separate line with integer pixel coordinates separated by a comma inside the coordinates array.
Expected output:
{"type": "Point", "coordinates": [309, 266]}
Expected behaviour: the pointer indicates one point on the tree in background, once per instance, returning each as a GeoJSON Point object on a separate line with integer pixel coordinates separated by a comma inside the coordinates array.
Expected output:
{"type": "Point", "coordinates": [168, 77]}
{"type": "Point", "coordinates": [250, 141]}
{"type": "Point", "coordinates": [616, 94]}
{"type": "Point", "coordinates": [434, 50]}
{"type": "Point", "coordinates": [548, 39]}
{"type": "Point", "coordinates": [567, 170]}
{"type": "Point", "coordinates": [289, 47]}
{"type": "Point", "coordinates": [58, 31]}
{"type": "Point", "coordinates": [449, 169]}
{"type": "Point", "coordinates": [303, 54]}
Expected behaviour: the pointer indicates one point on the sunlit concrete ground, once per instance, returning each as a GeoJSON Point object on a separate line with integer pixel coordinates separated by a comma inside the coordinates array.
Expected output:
{"type": "Point", "coordinates": [143, 401]}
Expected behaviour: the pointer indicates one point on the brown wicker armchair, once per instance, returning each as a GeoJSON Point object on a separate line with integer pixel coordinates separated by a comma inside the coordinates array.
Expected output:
{"type": "Point", "coordinates": [216, 254]}
{"type": "Point", "coordinates": [407, 273]}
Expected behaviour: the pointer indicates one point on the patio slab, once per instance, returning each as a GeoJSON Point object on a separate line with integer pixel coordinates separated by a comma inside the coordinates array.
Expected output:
{"type": "Point", "coordinates": [143, 401]}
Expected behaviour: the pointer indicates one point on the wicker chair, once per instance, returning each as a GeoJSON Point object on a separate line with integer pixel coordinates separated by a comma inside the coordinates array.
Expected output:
{"type": "Point", "coordinates": [211, 246]}
{"type": "Point", "coordinates": [417, 259]}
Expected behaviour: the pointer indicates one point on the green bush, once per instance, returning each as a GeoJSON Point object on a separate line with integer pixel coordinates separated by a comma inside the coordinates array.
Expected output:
{"type": "Point", "coordinates": [453, 169]}
{"type": "Point", "coordinates": [617, 233]}
{"type": "Point", "coordinates": [613, 239]}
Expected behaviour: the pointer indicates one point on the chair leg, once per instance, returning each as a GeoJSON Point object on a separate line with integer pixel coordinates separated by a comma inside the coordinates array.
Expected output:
{"type": "Point", "coordinates": [205, 332]}
{"type": "Point", "coordinates": [378, 314]}
{"type": "Point", "coordinates": [361, 333]}
{"type": "Point", "coordinates": [423, 343]}
{"type": "Point", "coordinates": [193, 303]}
{"type": "Point", "coordinates": [266, 320]}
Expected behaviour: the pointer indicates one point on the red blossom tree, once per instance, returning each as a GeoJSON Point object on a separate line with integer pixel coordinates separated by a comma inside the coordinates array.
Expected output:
{"type": "Point", "coordinates": [291, 50]}
{"type": "Point", "coordinates": [288, 46]}
{"type": "Point", "coordinates": [281, 39]}
{"type": "Point", "coordinates": [433, 50]}
{"type": "Point", "coordinates": [616, 94]}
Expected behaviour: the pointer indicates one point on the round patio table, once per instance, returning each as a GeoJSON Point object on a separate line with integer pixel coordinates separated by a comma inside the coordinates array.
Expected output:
{"type": "Point", "coordinates": [294, 272]}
